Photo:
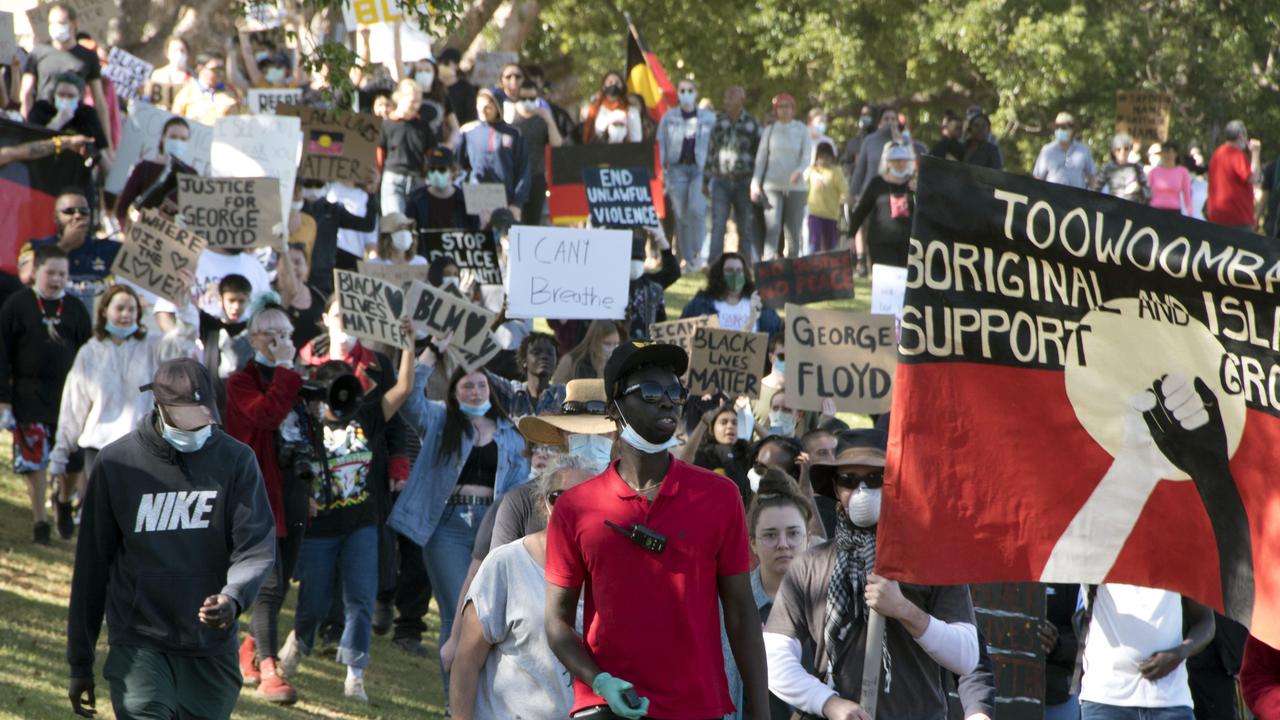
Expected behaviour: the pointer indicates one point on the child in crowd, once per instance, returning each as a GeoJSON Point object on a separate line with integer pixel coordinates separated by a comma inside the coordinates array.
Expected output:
{"type": "Point", "coordinates": [827, 192]}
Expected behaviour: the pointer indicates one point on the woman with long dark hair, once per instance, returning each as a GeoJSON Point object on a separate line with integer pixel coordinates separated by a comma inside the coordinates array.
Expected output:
{"type": "Point", "coordinates": [586, 360]}
{"type": "Point", "coordinates": [731, 296]}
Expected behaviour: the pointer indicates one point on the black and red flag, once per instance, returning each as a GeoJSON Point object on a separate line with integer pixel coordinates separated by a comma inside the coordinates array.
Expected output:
{"type": "Point", "coordinates": [28, 190]}
{"type": "Point", "coordinates": [645, 76]}
{"type": "Point", "coordinates": [1088, 390]}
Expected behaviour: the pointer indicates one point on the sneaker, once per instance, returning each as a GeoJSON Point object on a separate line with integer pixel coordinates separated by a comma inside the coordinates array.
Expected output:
{"type": "Point", "coordinates": [413, 646]}
{"type": "Point", "coordinates": [40, 534]}
{"type": "Point", "coordinates": [65, 519]}
{"type": "Point", "coordinates": [383, 615]}
{"type": "Point", "coordinates": [275, 689]}
{"type": "Point", "coordinates": [248, 670]}
{"type": "Point", "coordinates": [290, 656]}
{"type": "Point", "coordinates": [354, 688]}
{"type": "Point", "coordinates": [329, 636]}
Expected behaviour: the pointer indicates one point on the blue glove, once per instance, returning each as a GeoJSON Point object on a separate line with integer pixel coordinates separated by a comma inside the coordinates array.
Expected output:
{"type": "Point", "coordinates": [612, 690]}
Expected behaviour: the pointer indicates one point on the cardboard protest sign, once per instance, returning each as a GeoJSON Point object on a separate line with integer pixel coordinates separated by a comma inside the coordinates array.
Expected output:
{"type": "Point", "coordinates": [471, 250]}
{"type": "Point", "coordinates": [888, 288]}
{"type": "Point", "coordinates": [487, 67]}
{"type": "Point", "coordinates": [727, 361]}
{"type": "Point", "coordinates": [1144, 116]}
{"type": "Point", "coordinates": [439, 313]}
{"type": "Point", "coordinates": [845, 356]}
{"type": "Point", "coordinates": [235, 213]}
{"type": "Point", "coordinates": [153, 254]}
{"type": "Point", "coordinates": [160, 94]}
{"type": "Point", "coordinates": [681, 332]}
{"type": "Point", "coordinates": [371, 309]}
{"type": "Point", "coordinates": [619, 197]}
{"type": "Point", "coordinates": [1009, 617]}
{"type": "Point", "coordinates": [140, 140]}
{"type": "Point", "coordinates": [249, 146]}
{"type": "Point", "coordinates": [399, 273]}
{"type": "Point", "coordinates": [128, 73]}
{"type": "Point", "coordinates": [8, 40]}
{"type": "Point", "coordinates": [563, 274]}
{"type": "Point", "coordinates": [567, 196]}
{"type": "Point", "coordinates": [263, 101]}
{"type": "Point", "coordinates": [484, 197]}
{"type": "Point", "coordinates": [338, 145]}
{"type": "Point", "coordinates": [1067, 361]}
{"type": "Point", "coordinates": [359, 13]}
{"type": "Point", "coordinates": [826, 276]}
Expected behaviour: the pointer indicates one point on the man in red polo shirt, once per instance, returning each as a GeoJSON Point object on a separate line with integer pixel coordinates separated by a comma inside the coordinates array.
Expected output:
{"type": "Point", "coordinates": [651, 545]}
{"type": "Point", "coordinates": [1232, 175]}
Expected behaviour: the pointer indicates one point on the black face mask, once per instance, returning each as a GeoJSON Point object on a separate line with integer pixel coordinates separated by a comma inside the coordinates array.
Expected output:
{"type": "Point", "coordinates": [864, 122]}
{"type": "Point", "coordinates": [613, 92]}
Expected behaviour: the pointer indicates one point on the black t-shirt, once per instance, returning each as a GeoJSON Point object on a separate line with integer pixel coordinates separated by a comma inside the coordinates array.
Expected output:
{"type": "Point", "coordinates": [890, 207]}
{"type": "Point", "coordinates": [307, 323]}
{"type": "Point", "coordinates": [733, 461]}
{"type": "Point", "coordinates": [435, 112]}
{"type": "Point", "coordinates": [350, 493]}
{"type": "Point", "coordinates": [39, 340]}
{"type": "Point", "coordinates": [462, 95]}
{"type": "Point", "coordinates": [436, 213]}
{"type": "Point", "coordinates": [47, 63]}
{"type": "Point", "coordinates": [83, 122]}
{"type": "Point", "coordinates": [536, 138]}
{"type": "Point", "coordinates": [406, 143]}
{"type": "Point", "coordinates": [481, 467]}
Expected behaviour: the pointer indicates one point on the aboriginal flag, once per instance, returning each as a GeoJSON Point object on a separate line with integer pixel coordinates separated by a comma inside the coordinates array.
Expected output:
{"type": "Point", "coordinates": [645, 76]}
{"type": "Point", "coordinates": [1087, 391]}
{"type": "Point", "coordinates": [28, 190]}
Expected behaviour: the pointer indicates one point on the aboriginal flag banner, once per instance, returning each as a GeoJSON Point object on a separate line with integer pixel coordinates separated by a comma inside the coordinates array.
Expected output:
{"type": "Point", "coordinates": [28, 190]}
{"type": "Point", "coordinates": [1087, 390]}
{"type": "Point", "coordinates": [645, 76]}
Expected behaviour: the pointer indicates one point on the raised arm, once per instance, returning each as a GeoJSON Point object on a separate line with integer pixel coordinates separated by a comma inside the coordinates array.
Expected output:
{"type": "Point", "coordinates": [397, 394]}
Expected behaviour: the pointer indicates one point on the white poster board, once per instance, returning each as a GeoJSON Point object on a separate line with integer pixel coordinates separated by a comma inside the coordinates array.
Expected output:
{"type": "Point", "coordinates": [258, 146]}
{"type": "Point", "coordinates": [263, 101]}
{"type": "Point", "coordinates": [888, 289]}
{"type": "Point", "coordinates": [568, 273]}
{"type": "Point", "coordinates": [140, 140]}
{"type": "Point", "coordinates": [127, 72]}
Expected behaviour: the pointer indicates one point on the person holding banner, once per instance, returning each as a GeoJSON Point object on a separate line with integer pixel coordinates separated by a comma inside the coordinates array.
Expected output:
{"type": "Point", "coordinates": [829, 593]}
{"type": "Point", "coordinates": [731, 296]}
{"type": "Point", "coordinates": [493, 151]}
{"type": "Point", "coordinates": [154, 183]}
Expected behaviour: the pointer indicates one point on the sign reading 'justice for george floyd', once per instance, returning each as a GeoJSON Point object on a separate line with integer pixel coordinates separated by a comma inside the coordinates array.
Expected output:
{"type": "Point", "coordinates": [1099, 384]}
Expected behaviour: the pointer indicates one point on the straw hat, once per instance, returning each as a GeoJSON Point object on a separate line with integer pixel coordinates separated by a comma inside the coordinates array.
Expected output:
{"type": "Point", "coordinates": [584, 406]}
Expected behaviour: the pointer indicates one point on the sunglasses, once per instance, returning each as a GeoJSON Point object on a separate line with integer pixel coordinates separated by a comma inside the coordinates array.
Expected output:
{"type": "Point", "coordinates": [580, 407]}
{"type": "Point", "coordinates": [652, 392]}
{"type": "Point", "coordinates": [852, 481]}
{"type": "Point", "coordinates": [75, 211]}
{"type": "Point", "coordinates": [553, 496]}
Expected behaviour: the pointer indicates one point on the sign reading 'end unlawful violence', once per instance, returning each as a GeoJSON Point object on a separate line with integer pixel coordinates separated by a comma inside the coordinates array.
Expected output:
{"type": "Point", "coordinates": [619, 197]}
{"type": "Point", "coordinates": [566, 274]}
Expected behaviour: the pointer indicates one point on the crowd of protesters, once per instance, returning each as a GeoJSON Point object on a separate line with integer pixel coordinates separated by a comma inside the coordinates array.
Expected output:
{"type": "Point", "coordinates": [580, 567]}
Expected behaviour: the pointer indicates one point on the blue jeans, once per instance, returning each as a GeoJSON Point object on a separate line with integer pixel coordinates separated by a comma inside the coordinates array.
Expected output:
{"type": "Point", "coordinates": [1099, 711]}
{"type": "Point", "coordinates": [448, 557]}
{"type": "Point", "coordinates": [1069, 710]}
{"type": "Point", "coordinates": [729, 194]}
{"type": "Point", "coordinates": [396, 189]}
{"type": "Point", "coordinates": [689, 205]}
{"type": "Point", "coordinates": [355, 557]}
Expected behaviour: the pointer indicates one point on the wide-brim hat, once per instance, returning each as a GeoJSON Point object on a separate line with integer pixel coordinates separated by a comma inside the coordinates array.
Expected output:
{"type": "Point", "coordinates": [550, 429]}
{"type": "Point", "coordinates": [853, 447]}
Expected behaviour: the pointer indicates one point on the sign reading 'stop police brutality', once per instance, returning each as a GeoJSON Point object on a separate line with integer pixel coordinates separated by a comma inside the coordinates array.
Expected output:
{"type": "Point", "coordinates": [619, 197]}
{"type": "Point", "coordinates": [565, 274]}
{"type": "Point", "coordinates": [1068, 361]}
{"type": "Point", "coordinates": [471, 250]}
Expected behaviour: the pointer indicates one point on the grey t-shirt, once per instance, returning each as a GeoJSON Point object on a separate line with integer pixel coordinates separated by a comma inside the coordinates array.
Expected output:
{"type": "Point", "coordinates": [507, 520]}
{"type": "Point", "coordinates": [914, 687]}
{"type": "Point", "coordinates": [521, 677]}
{"type": "Point", "coordinates": [534, 130]}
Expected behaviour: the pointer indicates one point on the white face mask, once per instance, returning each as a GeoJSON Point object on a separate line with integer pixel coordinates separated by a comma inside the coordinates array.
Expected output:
{"type": "Point", "coordinates": [617, 133]}
{"type": "Point", "coordinates": [178, 58]}
{"type": "Point", "coordinates": [864, 506]}
{"type": "Point", "coordinates": [449, 281]}
{"type": "Point", "coordinates": [296, 205]}
{"type": "Point", "coordinates": [782, 422]}
{"type": "Point", "coordinates": [595, 449]}
{"type": "Point", "coordinates": [274, 75]}
{"type": "Point", "coordinates": [316, 193]}
{"type": "Point", "coordinates": [65, 105]}
{"type": "Point", "coordinates": [637, 269]}
{"type": "Point", "coordinates": [637, 441]}
{"type": "Point", "coordinates": [60, 32]}
{"type": "Point", "coordinates": [343, 339]}
{"type": "Point", "coordinates": [424, 79]}
{"type": "Point", "coordinates": [175, 148]}
{"type": "Point", "coordinates": [901, 173]}
{"type": "Point", "coordinates": [754, 478]}
{"type": "Point", "coordinates": [402, 240]}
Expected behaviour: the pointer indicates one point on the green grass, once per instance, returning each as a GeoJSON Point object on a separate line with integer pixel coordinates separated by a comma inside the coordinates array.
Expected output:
{"type": "Point", "coordinates": [35, 584]}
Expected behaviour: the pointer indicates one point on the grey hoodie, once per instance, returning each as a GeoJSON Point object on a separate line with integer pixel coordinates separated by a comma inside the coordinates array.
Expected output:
{"type": "Point", "coordinates": [160, 532]}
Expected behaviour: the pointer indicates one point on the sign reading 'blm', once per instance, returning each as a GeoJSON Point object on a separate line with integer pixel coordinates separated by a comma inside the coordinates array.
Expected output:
{"type": "Point", "coordinates": [1098, 382]}
{"type": "Point", "coordinates": [440, 313]}
{"type": "Point", "coordinates": [619, 197]}
{"type": "Point", "coordinates": [844, 356]}
{"type": "Point", "coordinates": [805, 280]}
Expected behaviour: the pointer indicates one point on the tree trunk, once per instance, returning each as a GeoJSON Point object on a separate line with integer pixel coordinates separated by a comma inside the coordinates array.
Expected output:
{"type": "Point", "coordinates": [521, 22]}
{"type": "Point", "coordinates": [472, 23]}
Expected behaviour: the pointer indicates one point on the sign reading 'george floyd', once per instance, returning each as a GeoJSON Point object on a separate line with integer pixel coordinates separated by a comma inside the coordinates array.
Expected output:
{"type": "Point", "coordinates": [727, 361]}
{"type": "Point", "coordinates": [1099, 383]}
{"type": "Point", "coordinates": [827, 276]}
{"type": "Point", "coordinates": [471, 250]}
{"type": "Point", "coordinates": [371, 309]}
{"type": "Point", "coordinates": [619, 197]}
{"type": "Point", "coordinates": [843, 356]}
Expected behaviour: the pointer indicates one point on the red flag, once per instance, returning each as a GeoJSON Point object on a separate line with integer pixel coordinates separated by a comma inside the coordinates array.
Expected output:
{"type": "Point", "coordinates": [645, 76]}
{"type": "Point", "coordinates": [1088, 390]}
{"type": "Point", "coordinates": [28, 190]}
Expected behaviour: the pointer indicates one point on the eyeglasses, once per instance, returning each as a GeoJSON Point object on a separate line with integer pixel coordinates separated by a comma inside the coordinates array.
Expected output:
{"type": "Point", "coordinates": [75, 211]}
{"type": "Point", "coordinates": [580, 407]}
{"type": "Point", "coordinates": [652, 392]}
{"type": "Point", "coordinates": [553, 496]}
{"type": "Point", "coordinates": [852, 480]}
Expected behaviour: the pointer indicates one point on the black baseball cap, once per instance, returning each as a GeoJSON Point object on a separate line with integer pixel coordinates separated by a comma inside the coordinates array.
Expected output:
{"type": "Point", "coordinates": [440, 157]}
{"type": "Point", "coordinates": [184, 389]}
{"type": "Point", "coordinates": [864, 446]}
{"type": "Point", "coordinates": [632, 354]}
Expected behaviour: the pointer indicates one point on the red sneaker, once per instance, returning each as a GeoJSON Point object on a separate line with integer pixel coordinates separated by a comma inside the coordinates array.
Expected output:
{"type": "Point", "coordinates": [248, 669]}
{"type": "Point", "coordinates": [273, 688]}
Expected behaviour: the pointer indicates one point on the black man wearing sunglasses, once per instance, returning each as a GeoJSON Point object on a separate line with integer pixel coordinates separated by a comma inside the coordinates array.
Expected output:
{"type": "Point", "coordinates": [827, 596]}
{"type": "Point", "coordinates": [654, 546]}
{"type": "Point", "coordinates": [90, 258]}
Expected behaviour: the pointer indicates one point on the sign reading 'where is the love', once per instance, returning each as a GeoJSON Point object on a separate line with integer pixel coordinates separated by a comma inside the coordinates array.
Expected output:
{"type": "Point", "coordinates": [153, 254]}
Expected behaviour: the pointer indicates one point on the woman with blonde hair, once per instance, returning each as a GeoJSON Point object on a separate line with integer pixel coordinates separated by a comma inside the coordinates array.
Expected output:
{"type": "Point", "coordinates": [587, 359]}
{"type": "Point", "coordinates": [397, 241]}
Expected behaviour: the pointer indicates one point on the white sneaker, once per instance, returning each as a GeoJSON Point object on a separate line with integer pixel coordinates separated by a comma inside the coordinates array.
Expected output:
{"type": "Point", "coordinates": [290, 656]}
{"type": "Point", "coordinates": [354, 689]}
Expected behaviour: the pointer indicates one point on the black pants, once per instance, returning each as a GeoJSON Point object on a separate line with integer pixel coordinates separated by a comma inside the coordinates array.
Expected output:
{"type": "Point", "coordinates": [264, 625]}
{"type": "Point", "coordinates": [413, 591]}
{"type": "Point", "coordinates": [147, 684]}
{"type": "Point", "coordinates": [531, 211]}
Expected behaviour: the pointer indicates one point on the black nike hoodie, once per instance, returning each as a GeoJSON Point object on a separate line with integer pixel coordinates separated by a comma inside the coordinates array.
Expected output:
{"type": "Point", "coordinates": [160, 532]}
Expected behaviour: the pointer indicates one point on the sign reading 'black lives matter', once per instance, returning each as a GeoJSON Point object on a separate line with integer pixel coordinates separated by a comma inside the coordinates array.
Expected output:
{"type": "Point", "coordinates": [619, 197]}
{"type": "Point", "coordinates": [1099, 384]}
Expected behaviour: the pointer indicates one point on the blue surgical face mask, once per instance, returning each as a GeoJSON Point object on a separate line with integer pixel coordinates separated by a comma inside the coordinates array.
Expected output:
{"type": "Point", "coordinates": [637, 441]}
{"type": "Point", "coordinates": [121, 332]}
{"type": "Point", "coordinates": [780, 367]}
{"type": "Point", "coordinates": [782, 422]}
{"type": "Point", "coordinates": [595, 449]}
{"type": "Point", "coordinates": [185, 441]}
{"type": "Point", "coordinates": [688, 98]}
{"type": "Point", "coordinates": [438, 180]}
{"type": "Point", "coordinates": [475, 410]}
{"type": "Point", "coordinates": [1062, 135]}
{"type": "Point", "coordinates": [820, 128]}
{"type": "Point", "coordinates": [175, 148]}
{"type": "Point", "coordinates": [274, 75]}
{"type": "Point", "coordinates": [67, 105]}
